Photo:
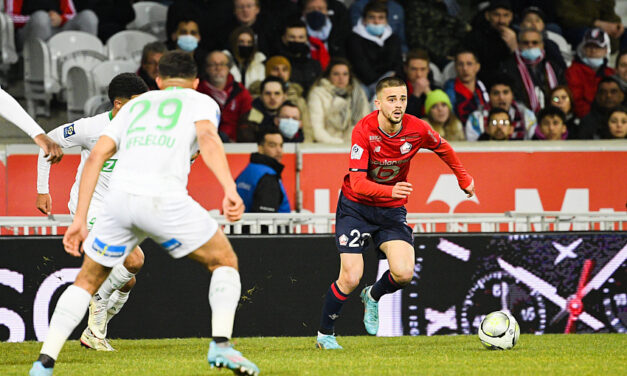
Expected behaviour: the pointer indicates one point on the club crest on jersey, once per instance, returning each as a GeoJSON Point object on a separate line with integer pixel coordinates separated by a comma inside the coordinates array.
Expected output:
{"type": "Point", "coordinates": [405, 148]}
{"type": "Point", "coordinates": [356, 152]}
{"type": "Point", "coordinates": [69, 131]}
{"type": "Point", "coordinates": [343, 239]}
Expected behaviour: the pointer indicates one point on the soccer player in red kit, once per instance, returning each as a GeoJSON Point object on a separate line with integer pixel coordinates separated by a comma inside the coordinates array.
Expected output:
{"type": "Point", "coordinates": [371, 204]}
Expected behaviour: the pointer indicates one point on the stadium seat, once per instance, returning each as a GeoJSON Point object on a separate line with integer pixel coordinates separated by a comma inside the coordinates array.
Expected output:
{"type": "Point", "coordinates": [38, 82]}
{"type": "Point", "coordinates": [449, 72]}
{"type": "Point", "coordinates": [65, 43]}
{"type": "Point", "coordinates": [128, 45]}
{"type": "Point", "coordinates": [104, 72]}
{"type": "Point", "coordinates": [79, 87]}
{"type": "Point", "coordinates": [565, 48]}
{"type": "Point", "coordinates": [96, 105]}
{"type": "Point", "coordinates": [437, 75]}
{"type": "Point", "coordinates": [150, 17]}
{"type": "Point", "coordinates": [8, 53]}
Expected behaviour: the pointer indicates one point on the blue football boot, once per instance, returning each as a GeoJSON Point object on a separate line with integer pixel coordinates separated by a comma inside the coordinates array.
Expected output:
{"type": "Point", "coordinates": [226, 356]}
{"type": "Point", "coordinates": [327, 342]}
{"type": "Point", "coordinates": [38, 369]}
{"type": "Point", "coordinates": [371, 311]}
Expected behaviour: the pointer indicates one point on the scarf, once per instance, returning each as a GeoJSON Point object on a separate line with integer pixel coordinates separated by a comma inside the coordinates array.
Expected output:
{"type": "Point", "coordinates": [319, 52]}
{"type": "Point", "coordinates": [465, 105]}
{"type": "Point", "coordinates": [534, 103]}
{"type": "Point", "coordinates": [322, 34]}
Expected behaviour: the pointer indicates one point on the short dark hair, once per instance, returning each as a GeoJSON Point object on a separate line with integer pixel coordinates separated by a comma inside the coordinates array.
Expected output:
{"type": "Point", "coordinates": [620, 54]}
{"type": "Point", "coordinates": [501, 79]}
{"type": "Point", "coordinates": [288, 104]}
{"type": "Point", "coordinates": [498, 110]}
{"type": "Point", "coordinates": [294, 23]}
{"type": "Point", "coordinates": [417, 54]}
{"type": "Point", "coordinates": [466, 51]}
{"type": "Point", "coordinates": [375, 6]}
{"type": "Point", "coordinates": [126, 85]}
{"type": "Point", "coordinates": [272, 79]}
{"type": "Point", "coordinates": [610, 79]}
{"type": "Point", "coordinates": [338, 61]}
{"type": "Point", "coordinates": [263, 131]}
{"type": "Point", "coordinates": [389, 82]}
{"type": "Point", "coordinates": [177, 64]}
{"type": "Point", "coordinates": [153, 47]}
{"type": "Point", "coordinates": [551, 111]}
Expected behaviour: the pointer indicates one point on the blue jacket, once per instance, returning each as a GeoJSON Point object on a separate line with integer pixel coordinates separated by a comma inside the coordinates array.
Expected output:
{"type": "Point", "coordinates": [248, 182]}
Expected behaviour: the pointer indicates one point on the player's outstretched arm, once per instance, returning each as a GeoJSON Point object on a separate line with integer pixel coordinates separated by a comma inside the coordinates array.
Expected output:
{"type": "Point", "coordinates": [212, 153]}
{"type": "Point", "coordinates": [51, 149]}
{"type": "Point", "coordinates": [77, 232]}
{"type": "Point", "coordinates": [448, 155]}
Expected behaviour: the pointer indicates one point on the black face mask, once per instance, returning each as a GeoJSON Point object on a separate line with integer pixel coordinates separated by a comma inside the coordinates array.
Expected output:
{"type": "Point", "coordinates": [298, 48]}
{"type": "Point", "coordinates": [245, 51]}
{"type": "Point", "coordinates": [316, 20]}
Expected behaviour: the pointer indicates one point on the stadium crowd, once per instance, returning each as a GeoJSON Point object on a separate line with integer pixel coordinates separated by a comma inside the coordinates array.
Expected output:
{"type": "Point", "coordinates": [545, 64]}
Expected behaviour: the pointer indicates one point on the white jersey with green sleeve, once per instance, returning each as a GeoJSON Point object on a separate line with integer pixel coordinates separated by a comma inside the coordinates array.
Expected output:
{"type": "Point", "coordinates": [155, 134]}
{"type": "Point", "coordinates": [84, 133]}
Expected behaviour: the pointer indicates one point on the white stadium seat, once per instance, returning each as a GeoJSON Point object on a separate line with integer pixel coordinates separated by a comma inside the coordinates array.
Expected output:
{"type": "Point", "coordinates": [128, 44]}
{"type": "Point", "coordinates": [80, 85]}
{"type": "Point", "coordinates": [96, 105]}
{"type": "Point", "coordinates": [449, 72]}
{"type": "Point", "coordinates": [38, 82]}
{"type": "Point", "coordinates": [104, 72]}
{"type": "Point", "coordinates": [67, 42]}
{"type": "Point", "coordinates": [437, 75]}
{"type": "Point", "coordinates": [150, 17]}
{"type": "Point", "coordinates": [565, 48]}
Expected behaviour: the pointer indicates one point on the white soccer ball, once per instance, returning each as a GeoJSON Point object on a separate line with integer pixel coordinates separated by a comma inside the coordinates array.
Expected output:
{"type": "Point", "coordinates": [499, 331]}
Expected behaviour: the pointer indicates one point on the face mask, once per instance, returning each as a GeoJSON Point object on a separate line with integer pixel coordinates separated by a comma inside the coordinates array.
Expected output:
{"type": "Point", "coordinates": [316, 20]}
{"type": "Point", "coordinates": [298, 48]}
{"type": "Point", "coordinates": [531, 54]}
{"type": "Point", "coordinates": [593, 62]}
{"type": "Point", "coordinates": [376, 30]}
{"type": "Point", "coordinates": [245, 51]}
{"type": "Point", "coordinates": [187, 43]}
{"type": "Point", "coordinates": [289, 127]}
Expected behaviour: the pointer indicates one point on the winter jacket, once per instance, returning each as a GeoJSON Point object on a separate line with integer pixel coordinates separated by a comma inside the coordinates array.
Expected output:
{"type": "Point", "coordinates": [583, 82]}
{"type": "Point", "coordinates": [256, 70]}
{"type": "Point", "coordinates": [464, 101]}
{"type": "Point", "coordinates": [396, 17]}
{"type": "Point", "coordinates": [260, 186]}
{"type": "Point", "coordinates": [305, 70]}
{"type": "Point", "coordinates": [334, 112]}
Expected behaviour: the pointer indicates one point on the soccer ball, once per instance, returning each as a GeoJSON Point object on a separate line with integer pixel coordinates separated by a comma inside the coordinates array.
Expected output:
{"type": "Point", "coordinates": [499, 331]}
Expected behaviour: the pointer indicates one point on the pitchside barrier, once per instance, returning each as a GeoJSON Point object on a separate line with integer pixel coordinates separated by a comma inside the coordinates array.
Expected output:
{"type": "Point", "coordinates": [458, 278]}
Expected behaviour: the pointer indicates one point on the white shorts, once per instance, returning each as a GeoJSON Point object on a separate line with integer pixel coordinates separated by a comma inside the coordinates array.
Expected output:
{"type": "Point", "coordinates": [179, 224]}
{"type": "Point", "coordinates": [95, 207]}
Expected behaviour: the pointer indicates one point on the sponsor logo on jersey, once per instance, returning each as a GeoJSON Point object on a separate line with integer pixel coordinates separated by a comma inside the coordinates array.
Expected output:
{"type": "Point", "coordinates": [375, 138]}
{"type": "Point", "coordinates": [405, 148]}
{"type": "Point", "coordinates": [104, 249]}
{"type": "Point", "coordinates": [356, 152]}
{"type": "Point", "coordinates": [377, 149]}
{"type": "Point", "coordinates": [343, 239]}
{"type": "Point", "coordinates": [385, 162]}
{"type": "Point", "coordinates": [69, 131]}
{"type": "Point", "coordinates": [109, 165]}
{"type": "Point", "coordinates": [171, 244]}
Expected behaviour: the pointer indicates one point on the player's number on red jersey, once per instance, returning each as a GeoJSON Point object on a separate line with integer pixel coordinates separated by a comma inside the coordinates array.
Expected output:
{"type": "Point", "coordinates": [382, 174]}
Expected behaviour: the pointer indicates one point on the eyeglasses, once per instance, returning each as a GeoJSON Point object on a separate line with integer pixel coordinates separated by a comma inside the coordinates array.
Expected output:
{"type": "Point", "coordinates": [530, 42]}
{"type": "Point", "coordinates": [557, 99]}
{"type": "Point", "coordinates": [494, 123]}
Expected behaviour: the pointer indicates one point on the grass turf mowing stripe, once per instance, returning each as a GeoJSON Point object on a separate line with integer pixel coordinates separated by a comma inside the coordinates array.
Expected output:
{"type": "Point", "coordinates": [580, 354]}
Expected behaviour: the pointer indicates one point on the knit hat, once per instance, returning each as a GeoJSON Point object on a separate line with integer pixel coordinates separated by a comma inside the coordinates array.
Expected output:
{"type": "Point", "coordinates": [436, 96]}
{"type": "Point", "coordinates": [277, 60]}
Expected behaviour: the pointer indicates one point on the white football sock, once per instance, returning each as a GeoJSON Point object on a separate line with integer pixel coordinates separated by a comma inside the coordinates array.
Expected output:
{"type": "Point", "coordinates": [118, 277]}
{"type": "Point", "coordinates": [224, 294]}
{"type": "Point", "coordinates": [67, 315]}
{"type": "Point", "coordinates": [116, 302]}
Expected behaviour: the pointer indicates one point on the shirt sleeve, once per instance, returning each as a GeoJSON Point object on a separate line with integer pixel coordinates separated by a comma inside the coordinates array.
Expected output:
{"type": "Point", "coordinates": [448, 155]}
{"type": "Point", "coordinates": [359, 154]}
{"type": "Point", "coordinates": [11, 110]}
{"type": "Point", "coordinates": [430, 138]}
{"type": "Point", "coordinates": [206, 109]}
{"type": "Point", "coordinates": [118, 125]}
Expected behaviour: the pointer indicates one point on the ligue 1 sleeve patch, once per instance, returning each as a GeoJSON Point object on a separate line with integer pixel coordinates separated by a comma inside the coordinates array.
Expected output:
{"type": "Point", "coordinates": [69, 131]}
{"type": "Point", "coordinates": [356, 152]}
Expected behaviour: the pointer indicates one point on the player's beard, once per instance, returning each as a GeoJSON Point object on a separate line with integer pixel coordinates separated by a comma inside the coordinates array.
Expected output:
{"type": "Point", "coordinates": [391, 119]}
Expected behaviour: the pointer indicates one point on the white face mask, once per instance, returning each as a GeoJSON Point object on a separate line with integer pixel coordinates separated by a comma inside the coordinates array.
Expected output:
{"type": "Point", "coordinates": [289, 127]}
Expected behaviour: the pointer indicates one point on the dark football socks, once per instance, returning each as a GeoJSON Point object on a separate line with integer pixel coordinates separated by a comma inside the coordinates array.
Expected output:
{"type": "Point", "coordinates": [333, 303]}
{"type": "Point", "coordinates": [385, 285]}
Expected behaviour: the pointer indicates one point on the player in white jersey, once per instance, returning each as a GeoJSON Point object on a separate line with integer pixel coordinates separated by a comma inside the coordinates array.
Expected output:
{"type": "Point", "coordinates": [11, 110]}
{"type": "Point", "coordinates": [154, 135]}
{"type": "Point", "coordinates": [112, 295]}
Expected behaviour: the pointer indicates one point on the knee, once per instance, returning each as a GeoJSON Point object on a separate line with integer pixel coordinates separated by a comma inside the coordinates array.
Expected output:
{"type": "Point", "coordinates": [39, 18]}
{"type": "Point", "coordinates": [403, 277]}
{"type": "Point", "coordinates": [88, 21]}
{"type": "Point", "coordinates": [134, 261]}
{"type": "Point", "coordinates": [349, 282]}
{"type": "Point", "coordinates": [223, 259]}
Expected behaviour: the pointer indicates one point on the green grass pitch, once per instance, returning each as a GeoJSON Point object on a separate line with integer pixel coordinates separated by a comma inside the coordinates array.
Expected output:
{"type": "Point", "coordinates": [581, 354]}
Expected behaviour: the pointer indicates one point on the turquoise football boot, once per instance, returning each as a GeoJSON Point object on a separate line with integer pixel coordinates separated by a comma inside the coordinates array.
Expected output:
{"type": "Point", "coordinates": [226, 356]}
{"type": "Point", "coordinates": [371, 311]}
{"type": "Point", "coordinates": [38, 369]}
{"type": "Point", "coordinates": [327, 342]}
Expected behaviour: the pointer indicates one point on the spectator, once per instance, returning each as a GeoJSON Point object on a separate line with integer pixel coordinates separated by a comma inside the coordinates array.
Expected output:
{"type": "Point", "coordinates": [544, 8]}
{"type": "Point", "coordinates": [247, 64]}
{"type": "Point", "coordinates": [588, 68]}
{"type": "Point", "coordinates": [466, 92]}
{"type": "Point", "coordinates": [441, 117]}
{"type": "Point", "coordinates": [418, 83]}
{"type": "Point", "coordinates": [149, 67]}
{"type": "Point", "coordinates": [247, 13]}
{"type": "Point", "coordinates": [264, 108]}
{"type": "Point", "coordinates": [113, 15]}
{"type": "Point", "coordinates": [608, 96]}
{"type": "Point", "coordinates": [186, 38]}
{"type": "Point", "coordinates": [551, 125]}
{"type": "Point", "coordinates": [492, 38]}
{"type": "Point", "coordinates": [523, 120]}
{"type": "Point", "coordinates": [234, 100]}
{"type": "Point", "coordinates": [534, 18]}
{"type": "Point", "coordinates": [288, 121]}
{"type": "Point", "coordinates": [396, 17]}
{"type": "Point", "coordinates": [498, 126]}
{"type": "Point", "coordinates": [431, 27]}
{"type": "Point", "coordinates": [212, 16]}
{"type": "Point", "coordinates": [278, 66]}
{"type": "Point", "coordinates": [260, 184]}
{"type": "Point", "coordinates": [319, 28]}
{"type": "Point", "coordinates": [43, 19]}
{"type": "Point", "coordinates": [578, 16]}
{"type": "Point", "coordinates": [336, 16]}
{"type": "Point", "coordinates": [295, 46]}
{"type": "Point", "coordinates": [617, 124]}
{"type": "Point", "coordinates": [373, 49]}
{"type": "Point", "coordinates": [336, 102]}
{"type": "Point", "coordinates": [535, 74]}
{"type": "Point", "coordinates": [621, 68]}
{"type": "Point", "coordinates": [562, 98]}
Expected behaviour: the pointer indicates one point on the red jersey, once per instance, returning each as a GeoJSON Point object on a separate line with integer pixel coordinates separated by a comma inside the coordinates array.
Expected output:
{"type": "Point", "coordinates": [386, 158]}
